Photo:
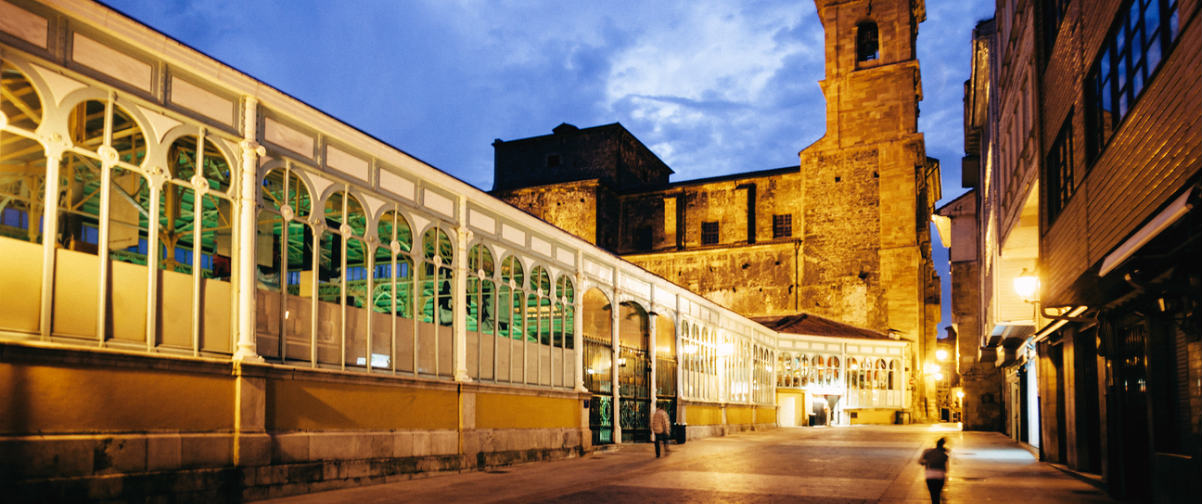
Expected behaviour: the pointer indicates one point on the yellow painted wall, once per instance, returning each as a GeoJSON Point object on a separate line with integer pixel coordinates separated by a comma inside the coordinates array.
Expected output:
{"type": "Point", "coordinates": [764, 415]}
{"type": "Point", "coordinates": [507, 411]}
{"type": "Point", "coordinates": [21, 283]}
{"type": "Point", "coordinates": [739, 415]}
{"type": "Point", "coordinates": [314, 405]}
{"type": "Point", "coordinates": [872, 416]}
{"type": "Point", "coordinates": [703, 415]}
{"type": "Point", "coordinates": [57, 399]}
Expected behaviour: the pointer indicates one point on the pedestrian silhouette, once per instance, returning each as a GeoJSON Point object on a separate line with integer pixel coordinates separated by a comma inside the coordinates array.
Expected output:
{"type": "Point", "coordinates": [661, 426]}
{"type": "Point", "coordinates": [935, 461]}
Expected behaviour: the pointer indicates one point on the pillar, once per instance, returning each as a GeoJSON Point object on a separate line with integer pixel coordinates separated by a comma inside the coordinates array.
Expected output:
{"type": "Point", "coordinates": [248, 176]}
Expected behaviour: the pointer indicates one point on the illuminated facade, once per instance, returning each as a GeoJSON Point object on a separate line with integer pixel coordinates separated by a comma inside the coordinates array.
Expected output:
{"type": "Point", "coordinates": [1086, 193]}
{"type": "Point", "coordinates": [211, 287]}
{"type": "Point", "coordinates": [842, 235]}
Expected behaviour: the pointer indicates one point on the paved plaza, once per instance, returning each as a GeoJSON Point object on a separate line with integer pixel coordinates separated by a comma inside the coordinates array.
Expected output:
{"type": "Point", "coordinates": [809, 465]}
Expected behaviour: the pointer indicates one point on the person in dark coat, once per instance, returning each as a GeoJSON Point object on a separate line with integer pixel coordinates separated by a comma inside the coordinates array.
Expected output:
{"type": "Point", "coordinates": [935, 461]}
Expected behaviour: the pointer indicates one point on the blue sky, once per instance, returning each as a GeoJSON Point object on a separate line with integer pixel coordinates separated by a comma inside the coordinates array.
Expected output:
{"type": "Point", "coordinates": [712, 87]}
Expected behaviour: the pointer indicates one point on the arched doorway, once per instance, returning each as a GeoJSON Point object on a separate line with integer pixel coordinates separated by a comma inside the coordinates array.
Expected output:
{"type": "Point", "coordinates": [634, 374]}
{"type": "Point", "coordinates": [598, 364]}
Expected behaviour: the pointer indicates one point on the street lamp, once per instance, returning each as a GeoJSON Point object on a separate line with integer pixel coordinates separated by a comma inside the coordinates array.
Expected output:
{"type": "Point", "coordinates": [941, 355]}
{"type": "Point", "coordinates": [1026, 284]}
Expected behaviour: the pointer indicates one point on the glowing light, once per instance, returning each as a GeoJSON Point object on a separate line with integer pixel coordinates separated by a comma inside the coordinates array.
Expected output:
{"type": "Point", "coordinates": [1026, 284]}
{"type": "Point", "coordinates": [939, 376]}
{"type": "Point", "coordinates": [941, 355]}
{"type": "Point", "coordinates": [931, 367]}
{"type": "Point", "coordinates": [960, 394]}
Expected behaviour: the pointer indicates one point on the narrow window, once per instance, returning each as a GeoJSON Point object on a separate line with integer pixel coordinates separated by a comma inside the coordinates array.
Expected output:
{"type": "Point", "coordinates": [1137, 43]}
{"type": "Point", "coordinates": [643, 238]}
{"type": "Point", "coordinates": [709, 233]}
{"type": "Point", "coordinates": [1060, 184]}
{"type": "Point", "coordinates": [782, 225]}
{"type": "Point", "coordinates": [670, 219]}
{"type": "Point", "coordinates": [868, 47]}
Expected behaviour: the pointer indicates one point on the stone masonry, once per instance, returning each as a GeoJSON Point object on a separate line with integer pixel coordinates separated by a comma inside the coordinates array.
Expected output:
{"type": "Point", "coordinates": [844, 235]}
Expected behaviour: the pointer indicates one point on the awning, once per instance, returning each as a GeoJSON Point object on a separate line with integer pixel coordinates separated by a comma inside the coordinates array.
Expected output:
{"type": "Point", "coordinates": [1177, 209]}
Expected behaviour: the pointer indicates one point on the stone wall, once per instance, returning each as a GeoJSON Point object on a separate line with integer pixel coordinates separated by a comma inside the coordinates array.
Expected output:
{"type": "Point", "coordinates": [608, 153]}
{"type": "Point", "coordinates": [571, 206]}
{"type": "Point", "coordinates": [754, 281]}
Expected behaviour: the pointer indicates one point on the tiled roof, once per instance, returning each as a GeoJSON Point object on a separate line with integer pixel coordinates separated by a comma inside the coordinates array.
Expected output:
{"type": "Point", "coordinates": [813, 325]}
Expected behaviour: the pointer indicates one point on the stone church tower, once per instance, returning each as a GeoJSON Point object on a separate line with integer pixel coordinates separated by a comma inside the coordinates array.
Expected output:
{"type": "Point", "coordinates": [868, 187]}
{"type": "Point", "coordinates": [843, 235]}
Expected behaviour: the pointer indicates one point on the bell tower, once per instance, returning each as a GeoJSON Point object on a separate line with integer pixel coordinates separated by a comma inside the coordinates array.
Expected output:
{"type": "Point", "coordinates": [868, 188]}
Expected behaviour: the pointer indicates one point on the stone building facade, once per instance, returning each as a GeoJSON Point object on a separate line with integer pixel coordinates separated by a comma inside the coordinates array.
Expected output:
{"type": "Point", "coordinates": [844, 235]}
{"type": "Point", "coordinates": [1087, 191]}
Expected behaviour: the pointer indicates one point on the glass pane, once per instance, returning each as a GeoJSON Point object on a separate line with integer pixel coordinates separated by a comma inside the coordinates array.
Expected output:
{"type": "Point", "coordinates": [511, 270]}
{"type": "Point", "coordinates": [393, 226]}
{"type": "Point", "coordinates": [473, 303]}
{"type": "Point", "coordinates": [79, 202]}
{"type": "Point", "coordinates": [129, 216]}
{"type": "Point", "coordinates": [1152, 17]}
{"type": "Point", "coordinates": [569, 324]}
{"type": "Point", "coordinates": [22, 187]}
{"type": "Point", "coordinates": [404, 287]}
{"type": "Point", "coordinates": [433, 239]}
{"type": "Point", "coordinates": [127, 138]}
{"type": "Point", "coordinates": [488, 301]}
{"type": "Point", "coordinates": [86, 125]}
{"type": "Point", "coordinates": [446, 313]}
{"type": "Point", "coordinates": [329, 287]}
{"type": "Point", "coordinates": [177, 225]}
{"type": "Point", "coordinates": [300, 257]}
{"type": "Point", "coordinates": [353, 214]}
{"type": "Point", "coordinates": [480, 260]}
{"type": "Point", "coordinates": [504, 310]}
{"type": "Point", "coordinates": [382, 300]}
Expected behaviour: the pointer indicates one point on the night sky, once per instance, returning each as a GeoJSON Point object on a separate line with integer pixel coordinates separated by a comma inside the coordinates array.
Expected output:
{"type": "Point", "coordinates": [712, 87]}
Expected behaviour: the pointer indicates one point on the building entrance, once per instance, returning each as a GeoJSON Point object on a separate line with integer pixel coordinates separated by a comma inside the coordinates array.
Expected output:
{"type": "Point", "coordinates": [598, 365]}
{"type": "Point", "coordinates": [634, 374]}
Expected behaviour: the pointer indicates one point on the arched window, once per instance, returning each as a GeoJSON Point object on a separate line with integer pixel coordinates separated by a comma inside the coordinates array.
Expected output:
{"type": "Point", "coordinates": [480, 290]}
{"type": "Point", "coordinates": [284, 322]}
{"type": "Point", "coordinates": [342, 282]}
{"type": "Point", "coordinates": [194, 210]}
{"type": "Point", "coordinates": [22, 199]}
{"type": "Point", "coordinates": [392, 293]}
{"type": "Point", "coordinates": [481, 312]}
{"type": "Point", "coordinates": [538, 306]}
{"type": "Point", "coordinates": [565, 307]}
{"type": "Point", "coordinates": [22, 161]}
{"type": "Point", "coordinates": [437, 277]}
{"type": "Point", "coordinates": [393, 271]}
{"type": "Point", "coordinates": [853, 373]}
{"type": "Point", "coordinates": [868, 46]}
{"type": "Point", "coordinates": [880, 378]}
{"type": "Point", "coordinates": [513, 283]}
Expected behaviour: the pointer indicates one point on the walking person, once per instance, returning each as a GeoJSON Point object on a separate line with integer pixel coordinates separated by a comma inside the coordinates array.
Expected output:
{"type": "Point", "coordinates": [661, 427]}
{"type": "Point", "coordinates": [935, 461]}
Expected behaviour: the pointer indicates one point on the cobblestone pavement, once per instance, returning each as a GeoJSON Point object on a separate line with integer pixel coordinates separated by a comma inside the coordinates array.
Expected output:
{"type": "Point", "coordinates": [809, 465]}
